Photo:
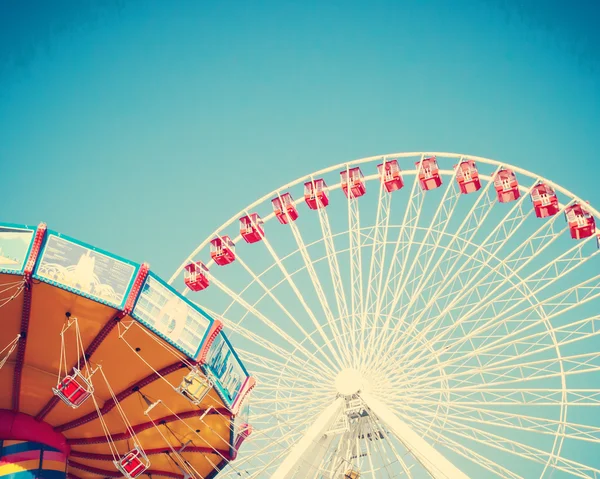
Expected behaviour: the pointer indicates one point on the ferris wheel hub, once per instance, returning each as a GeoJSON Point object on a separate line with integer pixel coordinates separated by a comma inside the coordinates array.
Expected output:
{"type": "Point", "coordinates": [349, 381]}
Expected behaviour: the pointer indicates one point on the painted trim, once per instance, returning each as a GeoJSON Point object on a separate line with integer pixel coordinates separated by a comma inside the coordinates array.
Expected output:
{"type": "Point", "coordinates": [244, 391]}
{"type": "Point", "coordinates": [210, 337]}
{"type": "Point", "coordinates": [34, 249]}
{"type": "Point", "coordinates": [136, 288]}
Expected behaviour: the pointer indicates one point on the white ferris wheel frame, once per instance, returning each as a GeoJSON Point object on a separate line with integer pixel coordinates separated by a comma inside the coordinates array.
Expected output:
{"type": "Point", "coordinates": [437, 466]}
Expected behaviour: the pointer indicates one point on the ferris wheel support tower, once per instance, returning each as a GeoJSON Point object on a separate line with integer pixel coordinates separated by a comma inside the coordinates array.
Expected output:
{"type": "Point", "coordinates": [349, 384]}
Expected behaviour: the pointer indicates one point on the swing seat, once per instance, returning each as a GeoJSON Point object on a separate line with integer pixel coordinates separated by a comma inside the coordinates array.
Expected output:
{"type": "Point", "coordinates": [195, 386]}
{"type": "Point", "coordinates": [74, 390]}
{"type": "Point", "coordinates": [134, 463]}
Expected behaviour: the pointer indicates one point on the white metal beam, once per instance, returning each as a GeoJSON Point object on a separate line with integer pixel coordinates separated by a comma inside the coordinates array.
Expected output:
{"type": "Point", "coordinates": [301, 451]}
{"type": "Point", "coordinates": [435, 463]}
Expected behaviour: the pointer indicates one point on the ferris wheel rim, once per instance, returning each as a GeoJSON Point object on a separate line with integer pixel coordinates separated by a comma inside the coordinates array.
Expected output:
{"type": "Point", "coordinates": [458, 156]}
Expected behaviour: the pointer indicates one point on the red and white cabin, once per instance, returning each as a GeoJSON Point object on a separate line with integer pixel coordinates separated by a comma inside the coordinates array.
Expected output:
{"type": "Point", "coordinates": [222, 250]}
{"type": "Point", "coordinates": [196, 276]}
{"type": "Point", "coordinates": [429, 173]}
{"type": "Point", "coordinates": [134, 463]}
{"type": "Point", "coordinates": [74, 389]}
{"type": "Point", "coordinates": [316, 194]}
{"type": "Point", "coordinates": [467, 177]}
{"type": "Point", "coordinates": [354, 179]}
{"type": "Point", "coordinates": [507, 186]}
{"type": "Point", "coordinates": [251, 228]}
{"type": "Point", "coordinates": [581, 222]}
{"type": "Point", "coordinates": [545, 201]}
{"type": "Point", "coordinates": [284, 208]}
{"type": "Point", "coordinates": [390, 175]}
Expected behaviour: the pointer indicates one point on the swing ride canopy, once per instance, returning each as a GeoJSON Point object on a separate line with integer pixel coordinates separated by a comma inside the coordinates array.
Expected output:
{"type": "Point", "coordinates": [66, 307]}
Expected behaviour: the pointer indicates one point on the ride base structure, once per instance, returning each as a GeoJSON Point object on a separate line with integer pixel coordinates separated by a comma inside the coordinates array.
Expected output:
{"type": "Point", "coordinates": [106, 371]}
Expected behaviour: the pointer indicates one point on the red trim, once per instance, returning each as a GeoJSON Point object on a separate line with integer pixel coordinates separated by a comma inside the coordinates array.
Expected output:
{"type": "Point", "coordinates": [136, 288]}
{"type": "Point", "coordinates": [18, 426]}
{"type": "Point", "coordinates": [110, 404]}
{"type": "Point", "coordinates": [105, 473]}
{"type": "Point", "coordinates": [38, 239]}
{"type": "Point", "coordinates": [215, 329]}
{"type": "Point", "coordinates": [70, 475]}
{"type": "Point", "coordinates": [18, 371]}
{"type": "Point", "coordinates": [244, 391]}
{"type": "Point", "coordinates": [148, 452]}
{"type": "Point", "coordinates": [94, 345]}
{"type": "Point", "coordinates": [147, 425]}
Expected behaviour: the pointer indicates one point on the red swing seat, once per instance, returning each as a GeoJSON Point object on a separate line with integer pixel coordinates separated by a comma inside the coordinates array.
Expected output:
{"type": "Point", "coordinates": [74, 389]}
{"type": "Point", "coordinates": [134, 463]}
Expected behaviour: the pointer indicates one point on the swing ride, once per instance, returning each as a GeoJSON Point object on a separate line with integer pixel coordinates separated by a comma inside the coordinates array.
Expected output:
{"type": "Point", "coordinates": [106, 371]}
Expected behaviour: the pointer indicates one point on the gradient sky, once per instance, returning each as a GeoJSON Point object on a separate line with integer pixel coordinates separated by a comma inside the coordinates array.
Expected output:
{"type": "Point", "coordinates": [140, 126]}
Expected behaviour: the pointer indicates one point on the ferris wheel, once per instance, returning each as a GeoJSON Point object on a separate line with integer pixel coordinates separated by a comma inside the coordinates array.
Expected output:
{"type": "Point", "coordinates": [439, 316]}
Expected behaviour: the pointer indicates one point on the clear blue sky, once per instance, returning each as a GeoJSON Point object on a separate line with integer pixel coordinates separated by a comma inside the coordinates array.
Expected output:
{"type": "Point", "coordinates": [140, 126]}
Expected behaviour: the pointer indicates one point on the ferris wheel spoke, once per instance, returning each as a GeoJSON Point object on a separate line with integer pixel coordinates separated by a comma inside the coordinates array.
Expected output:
{"type": "Point", "coordinates": [300, 298]}
{"type": "Point", "coordinates": [305, 366]}
{"type": "Point", "coordinates": [399, 458]}
{"type": "Point", "coordinates": [464, 451]}
{"type": "Point", "coordinates": [297, 410]}
{"type": "Point", "coordinates": [322, 299]}
{"type": "Point", "coordinates": [435, 230]}
{"type": "Point", "coordinates": [380, 234]}
{"type": "Point", "coordinates": [272, 445]}
{"type": "Point", "coordinates": [419, 267]}
{"type": "Point", "coordinates": [283, 308]}
{"type": "Point", "coordinates": [288, 370]}
{"type": "Point", "coordinates": [519, 449]}
{"type": "Point", "coordinates": [525, 372]}
{"type": "Point", "coordinates": [498, 237]}
{"type": "Point", "coordinates": [355, 261]}
{"type": "Point", "coordinates": [273, 326]}
{"type": "Point", "coordinates": [554, 306]}
{"type": "Point", "coordinates": [400, 255]}
{"type": "Point", "coordinates": [464, 234]}
{"type": "Point", "coordinates": [565, 335]}
{"type": "Point", "coordinates": [521, 422]}
{"type": "Point", "coordinates": [527, 252]}
{"type": "Point", "coordinates": [334, 269]}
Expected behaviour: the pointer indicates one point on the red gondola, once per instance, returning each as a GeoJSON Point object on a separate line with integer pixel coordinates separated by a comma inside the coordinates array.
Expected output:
{"type": "Point", "coordinates": [354, 179]}
{"type": "Point", "coordinates": [390, 175]}
{"type": "Point", "coordinates": [284, 208]}
{"type": "Point", "coordinates": [74, 389]}
{"type": "Point", "coordinates": [429, 173]}
{"type": "Point", "coordinates": [251, 228]}
{"type": "Point", "coordinates": [581, 222]}
{"type": "Point", "coordinates": [467, 177]}
{"type": "Point", "coordinates": [545, 201]}
{"type": "Point", "coordinates": [134, 463]}
{"type": "Point", "coordinates": [196, 276]}
{"type": "Point", "coordinates": [316, 194]}
{"type": "Point", "coordinates": [222, 250]}
{"type": "Point", "coordinates": [507, 186]}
